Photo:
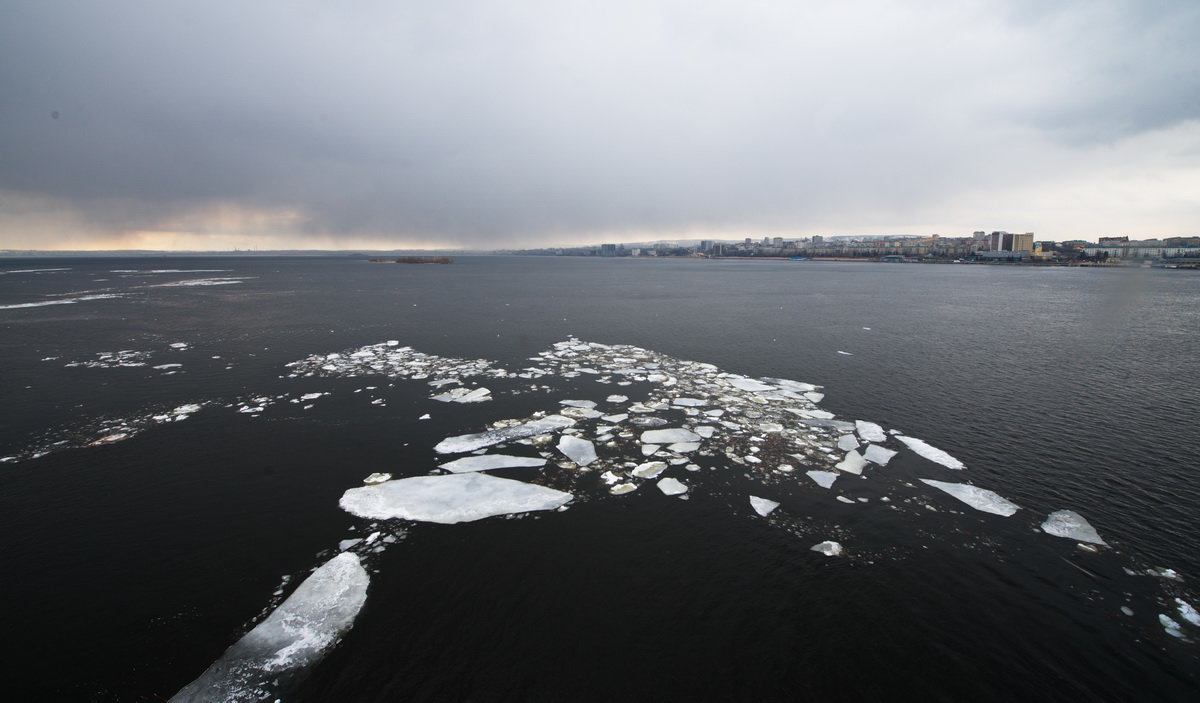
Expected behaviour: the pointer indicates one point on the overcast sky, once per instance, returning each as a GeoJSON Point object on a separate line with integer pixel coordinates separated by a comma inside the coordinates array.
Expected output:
{"type": "Point", "coordinates": [215, 124]}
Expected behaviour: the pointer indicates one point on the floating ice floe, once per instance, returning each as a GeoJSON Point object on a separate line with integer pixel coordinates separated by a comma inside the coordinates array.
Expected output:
{"type": "Point", "coordinates": [108, 360]}
{"type": "Point", "coordinates": [878, 455]}
{"type": "Point", "coordinates": [1071, 525]}
{"type": "Point", "coordinates": [672, 487]}
{"type": "Point", "coordinates": [377, 478]}
{"type": "Point", "coordinates": [449, 498]}
{"type": "Point", "coordinates": [3, 273]}
{"type": "Point", "coordinates": [671, 436]}
{"type": "Point", "coordinates": [976, 497]}
{"type": "Point", "coordinates": [847, 442]}
{"type": "Point", "coordinates": [464, 395]}
{"type": "Point", "coordinates": [1172, 627]}
{"type": "Point", "coordinates": [762, 506]}
{"type": "Point", "coordinates": [390, 359]}
{"type": "Point", "coordinates": [1187, 612]}
{"type": "Point", "coordinates": [747, 384]}
{"type": "Point", "coordinates": [854, 463]}
{"type": "Point", "coordinates": [650, 469]}
{"type": "Point", "coordinates": [217, 281]}
{"type": "Point", "coordinates": [471, 442]}
{"type": "Point", "coordinates": [869, 431]}
{"type": "Point", "coordinates": [62, 301]}
{"type": "Point", "coordinates": [829, 548]}
{"type": "Point", "coordinates": [578, 450]}
{"type": "Point", "coordinates": [930, 452]}
{"type": "Point", "coordinates": [484, 462]}
{"type": "Point", "coordinates": [586, 404]}
{"type": "Point", "coordinates": [293, 637]}
{"type": "Point", "coordinates": [824, 479]}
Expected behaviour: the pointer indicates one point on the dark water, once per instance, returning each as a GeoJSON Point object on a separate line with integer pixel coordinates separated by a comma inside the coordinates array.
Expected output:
{"type": "Point", "coordinates": [131, 567]}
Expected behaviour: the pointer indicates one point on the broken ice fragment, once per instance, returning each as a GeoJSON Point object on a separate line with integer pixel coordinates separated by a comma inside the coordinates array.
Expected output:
{"type": "Point", "coordinates": [824, 479]}
{"type": "Point", "coordinates": [854, 463]}
{"type": "Point", "coordinates": [978, 498]}
{"type": "Point", "coordinates": [847, 442]}
{"type": "Point", "coordinates": [1187, 612]}
{"type": "Point", "coordinates": [449, 498]}
{"type": "Point", "coordinates": [669, 436]}
{"type": "Point", "coordinates": [683, 447]}
{"type": "Point", "coordinates": [829, 548]}
{"type": "Point", "coordinates": [672, 487]}
{"type": "Point", "coordinates": [649, 449]}
{"type": "Point", "coordinates": [878, 455]}
{"type": "Point", "coordinates": [1071, 525]}
{"type": "Point", "coordinates": [869, 431]}
{"type": "Point", "coordinates": [586, 404]}
{"type": "Point", "coordinates": [578, 450]}
{"type": "Point", "coordinates": [377, 478]}
{"type": "Point", "coordinates": [484, 462]}
{"type": "Point", "coordinates": [1173, 628]}
{"type": "Point", "coordinates": [762, 506]}
{"type": "Point", "coordinates": [931, 453]}
{"type": "Point", "coordinates": [616, 399]}
{"type": "Point", "coordinates": [464, 395]}
{"type": "Point", "coordinates": [622, 488]}
{"type": "Point", "coordinates": [471, 442]}
{"type": "Point", "coordinates": [650, 469]}
{"type": "Point", "coordinates": [619, 417]}
{"type": "Point", "coordinates": [293, 637]}
{"type": "Point", "coordinates": [747, 384]}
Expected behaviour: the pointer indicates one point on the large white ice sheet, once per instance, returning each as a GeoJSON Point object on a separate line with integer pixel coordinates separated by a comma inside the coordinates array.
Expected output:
{"type": "Point", "coordinates": [930, 452]}
{"type": "Point", "coordinates": [483, 462]}
{"type": "Point", "coordinates": [295, 636]}
{"type": "Point", "coordinates": [976, 497]}
{"type": "Point", "coordinates": [471, 442]}
{"type": "Point", "coordinates": [670, 436]}
{"type": "Point", "coordinates": [449, 498]}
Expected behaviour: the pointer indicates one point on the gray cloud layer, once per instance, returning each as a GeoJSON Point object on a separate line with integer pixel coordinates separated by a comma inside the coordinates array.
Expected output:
{"type": "Point", "coordinates": [492, 123]}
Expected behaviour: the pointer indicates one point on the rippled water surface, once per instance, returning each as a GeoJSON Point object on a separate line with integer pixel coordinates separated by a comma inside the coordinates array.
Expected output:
{"type": "Point", "coordinates": [131, 565]}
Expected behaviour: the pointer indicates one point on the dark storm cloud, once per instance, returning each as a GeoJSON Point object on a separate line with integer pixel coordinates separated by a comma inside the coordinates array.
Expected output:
{"type": "Point", "coordinates": [497, 122]}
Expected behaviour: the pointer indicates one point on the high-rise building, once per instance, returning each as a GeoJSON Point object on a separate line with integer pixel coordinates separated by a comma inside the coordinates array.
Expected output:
{"type": "Point", "coordinates": [1006, 241]}
{"type": "Point", "coordinates": [705, 244]}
